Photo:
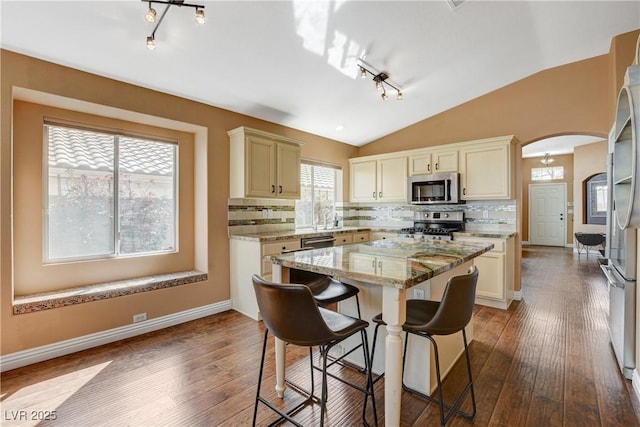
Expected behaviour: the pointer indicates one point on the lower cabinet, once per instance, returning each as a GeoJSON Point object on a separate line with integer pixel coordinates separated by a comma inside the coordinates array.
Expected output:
{"type": "Point", "coordinates": [496, 272]}
{"type": "Point", "coordinates": [246, 259]}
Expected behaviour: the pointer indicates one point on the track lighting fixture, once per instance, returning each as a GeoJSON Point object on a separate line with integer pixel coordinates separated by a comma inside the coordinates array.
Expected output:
{"type": "Point", "coordinates": [150, 16]}
{"type": "Point", "coordinates": [381, 79]}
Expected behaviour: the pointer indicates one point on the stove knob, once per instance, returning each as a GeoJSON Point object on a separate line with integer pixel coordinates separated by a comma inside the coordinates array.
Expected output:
{"type": "Point", "coordinates": [446, 215]}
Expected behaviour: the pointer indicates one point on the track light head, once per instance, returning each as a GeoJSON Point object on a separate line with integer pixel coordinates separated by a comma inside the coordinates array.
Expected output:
{"type": "Point", "coordinates": [150, 16]}
{"type": "Point", "coordinates": [150, 44]}
{"type": "Point", "coordinates": [400, 96]}
{"type": "Point", "coordinates": [363, 73]}
{"type": "Point", "coordinates": [200, 16]}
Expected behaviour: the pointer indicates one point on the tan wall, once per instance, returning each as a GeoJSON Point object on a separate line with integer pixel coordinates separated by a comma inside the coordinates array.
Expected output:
{"type": "Point", "coordinates": [588, 160]}
{"type": "Point", "coordinates": [534, 162]}
{"type": "Point", "coordinates": [20, 332]}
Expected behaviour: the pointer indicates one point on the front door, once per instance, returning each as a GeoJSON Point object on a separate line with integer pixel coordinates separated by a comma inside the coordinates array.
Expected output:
{"type": "Point", "coordinates": [547, 214]}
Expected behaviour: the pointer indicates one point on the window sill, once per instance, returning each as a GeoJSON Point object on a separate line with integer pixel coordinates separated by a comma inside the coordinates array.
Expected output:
{"type": "Point", "coordinates": [48, 300]}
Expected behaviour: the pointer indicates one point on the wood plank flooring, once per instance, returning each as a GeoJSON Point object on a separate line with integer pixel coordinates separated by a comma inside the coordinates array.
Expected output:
{"type": "Point", "coordinates": [544, 362]}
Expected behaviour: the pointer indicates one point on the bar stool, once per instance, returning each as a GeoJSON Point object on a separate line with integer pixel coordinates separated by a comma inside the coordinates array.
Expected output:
{"type": "Point", "coordinates": [290, 313]}
{"type": "Point", "coordinates": [326, 290]}
{"type": "Point", "coordinates": [449, 316]}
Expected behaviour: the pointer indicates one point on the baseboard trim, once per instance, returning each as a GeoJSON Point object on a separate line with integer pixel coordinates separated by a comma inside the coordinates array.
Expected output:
{"type": "Point", "coordinates": [517, 295]}
{"type": "Point", "coordinates": [635, 381]}
{"type": "Point", "coordinates": [61, 348]}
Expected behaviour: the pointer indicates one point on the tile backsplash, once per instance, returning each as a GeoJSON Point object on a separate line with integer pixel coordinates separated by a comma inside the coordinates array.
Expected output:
{"type": "Point", "coordinates": [265, 215]}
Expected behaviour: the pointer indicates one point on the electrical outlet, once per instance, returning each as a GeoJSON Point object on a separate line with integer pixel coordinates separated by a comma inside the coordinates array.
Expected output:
{"type": "Point", "coordinates": [418, 293]}
{"type": "Point", "coordinates": [139, 317]}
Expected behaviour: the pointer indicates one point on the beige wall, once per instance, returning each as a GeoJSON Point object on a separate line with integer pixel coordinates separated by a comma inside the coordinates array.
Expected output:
{"type": "Point", "coordinates": [534, 162]}
{"type": "Point", "coordinates": [588, 160]}
{"type": "Point", "coordinates": [20, 332]}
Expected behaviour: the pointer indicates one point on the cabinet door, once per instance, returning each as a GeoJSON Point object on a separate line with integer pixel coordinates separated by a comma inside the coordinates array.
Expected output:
{"type": "Point", "coordinates": [260, 170]}
{"type": "Point", "coordinates": [445, 161]}
{"type": "Point", "coordinates": [490, 275]}
{"type": "Point", "coordinates": [392, 179]}
{"type": "Point", "coordinates": [363, 181]}
{"type": "Point", "coordinates": [288, 170]}
{"type": "Point", "coordinates": [485, 172]}
{"type": "Point", "coordinates": [363, 263]}
{"type": "Point", "coordinates": [420, 164]}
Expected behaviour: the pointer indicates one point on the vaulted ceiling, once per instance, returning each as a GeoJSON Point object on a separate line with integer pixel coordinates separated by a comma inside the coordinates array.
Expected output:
{"type": "Point", "coordinates": [294, 62]}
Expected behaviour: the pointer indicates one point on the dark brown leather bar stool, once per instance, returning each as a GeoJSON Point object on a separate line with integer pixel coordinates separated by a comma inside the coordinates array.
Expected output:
{"type": "Point", "coordinates": [326, 290]}
{"type": "Point", "coordinates": [449, 316]}
{"type": "Point", "coordinates": [291, 314]}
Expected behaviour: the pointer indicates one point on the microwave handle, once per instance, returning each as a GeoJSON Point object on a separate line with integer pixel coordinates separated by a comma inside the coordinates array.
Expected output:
{"type": "Point", "coordinates": [447, 189]}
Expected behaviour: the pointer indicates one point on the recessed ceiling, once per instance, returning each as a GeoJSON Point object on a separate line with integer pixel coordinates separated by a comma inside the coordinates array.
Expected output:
{"type": "Point", "coordinates": [294, 62]}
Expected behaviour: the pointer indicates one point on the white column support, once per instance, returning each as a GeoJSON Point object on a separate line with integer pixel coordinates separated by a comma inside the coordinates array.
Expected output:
{"type": "Point", "coordinates": [394, 314]}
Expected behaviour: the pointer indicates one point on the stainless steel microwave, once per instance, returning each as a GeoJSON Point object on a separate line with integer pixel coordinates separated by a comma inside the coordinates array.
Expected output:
{"type": "Point", "coordinates": [434, 188]}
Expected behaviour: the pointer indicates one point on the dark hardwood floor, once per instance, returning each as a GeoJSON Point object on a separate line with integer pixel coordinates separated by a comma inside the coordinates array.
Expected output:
{"type": "Point", "coordinates": [544, 362]}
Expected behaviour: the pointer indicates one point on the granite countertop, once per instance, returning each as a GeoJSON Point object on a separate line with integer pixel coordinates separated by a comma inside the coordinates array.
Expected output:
{"type": "Point", "coordinates": [486, 234]}
{"type": "Point", "coordinates": [270, 236]}
{"type": "Point", "coordinates": [398, 262]}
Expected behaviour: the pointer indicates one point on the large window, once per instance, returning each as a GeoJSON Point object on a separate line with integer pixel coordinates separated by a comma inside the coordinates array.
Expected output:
{"type": "Point", "coordinates": [317, 204]}
{"type": "Point", "coordinates": [107, 195]}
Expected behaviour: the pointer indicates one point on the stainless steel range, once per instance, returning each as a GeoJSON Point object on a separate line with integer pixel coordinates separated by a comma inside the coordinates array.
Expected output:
{"type": "Point", "coordinates": [435, 225]}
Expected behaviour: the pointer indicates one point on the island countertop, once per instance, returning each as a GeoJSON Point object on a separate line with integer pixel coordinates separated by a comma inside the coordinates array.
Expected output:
{"type": "Point", "coordinates": [397, 262]}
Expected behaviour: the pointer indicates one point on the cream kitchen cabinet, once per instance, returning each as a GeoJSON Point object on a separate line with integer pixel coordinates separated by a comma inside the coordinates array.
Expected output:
{"type": "Point", "coordinates": [382, 235]}
{"type": "Point", "coordinates": [349, 238]}
{"type": "Point", "coordinates": [382, 179]}
{"type": "Point", "coordinates": [486, 169]}
{"type": "Point", "coordinates": [263, 165]}
{"type": "Point", "coordinates": [247, 259]}
{"type": "Point", "coordinates": [496, 272]}
{"type": "Point", "coordinates": [433, 161]}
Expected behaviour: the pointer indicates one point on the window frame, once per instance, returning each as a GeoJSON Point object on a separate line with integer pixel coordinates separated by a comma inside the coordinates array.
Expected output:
{"type": "Point", "coordinates": [30, 275]}
{"type": "Point", "coordinates": [336, 183]}
{"type": "Point", "coordinates": [115, 214]}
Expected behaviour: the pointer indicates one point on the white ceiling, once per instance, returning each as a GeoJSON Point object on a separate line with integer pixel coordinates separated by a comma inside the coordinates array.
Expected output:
{"type": "Point", "coordinates": [294, 62]}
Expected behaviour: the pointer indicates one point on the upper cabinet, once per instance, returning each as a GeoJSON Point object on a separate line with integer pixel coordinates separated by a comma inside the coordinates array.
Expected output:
{"type": "Point", "coordinates": [485, 167]}
{"type": "Point", "coordinates": [263, 165]}
{"type": "Point", "coordinates": [433, 161]}
{"type": "Point", "coordinates": [380, 179]}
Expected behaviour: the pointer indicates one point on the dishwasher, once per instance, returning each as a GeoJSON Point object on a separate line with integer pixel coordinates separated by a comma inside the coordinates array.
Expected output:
{"type": "Point", "coordinates": [306, 243]}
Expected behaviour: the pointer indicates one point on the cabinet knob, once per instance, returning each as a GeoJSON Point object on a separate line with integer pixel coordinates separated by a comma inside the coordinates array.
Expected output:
{"type": "Point", "coordinates": [428, 167]}
{"type": "Point", "coordinates": [464, 191]}
{"type": "Point", "coordinates": [374, 195]}
{"type": "Point", "coordinates": [437, 167]}
{"type": "Point", "coordinates": [280, 189]}
{"type": "Point", "coordinates": [380, 194]}
{"type": "Point", "coordinates": [273, 188]}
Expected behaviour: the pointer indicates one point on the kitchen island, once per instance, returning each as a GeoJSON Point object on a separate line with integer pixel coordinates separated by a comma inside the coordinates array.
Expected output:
{"type": "Point", "coordinates": [394, 266]}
